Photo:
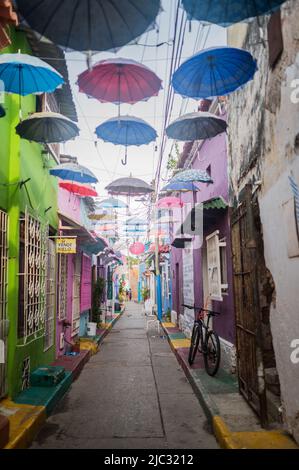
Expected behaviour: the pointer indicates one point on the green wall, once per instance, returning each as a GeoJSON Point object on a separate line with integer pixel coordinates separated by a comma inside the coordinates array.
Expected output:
{"type": "Point", "coordinates": [19, 160]}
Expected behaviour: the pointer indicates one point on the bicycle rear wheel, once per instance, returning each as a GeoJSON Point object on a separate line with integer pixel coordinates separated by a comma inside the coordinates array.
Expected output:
{"type": "Point", "coordinates": [212, 353]}
{"type": "Point", "coordinates": [194, 344]}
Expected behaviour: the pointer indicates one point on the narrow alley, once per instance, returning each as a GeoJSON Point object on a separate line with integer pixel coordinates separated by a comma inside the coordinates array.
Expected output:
{"type": "Point", "coordinates": [132, 394]}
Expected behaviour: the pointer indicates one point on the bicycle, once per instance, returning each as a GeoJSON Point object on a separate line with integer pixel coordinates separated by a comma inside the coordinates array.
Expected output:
{"type": "Point", "coordinates": [209, 340]}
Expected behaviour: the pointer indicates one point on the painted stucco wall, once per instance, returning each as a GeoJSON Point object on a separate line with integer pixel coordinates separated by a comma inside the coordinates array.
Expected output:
{"type": "Point", "coordinates": [21, 160]}
{"type": "Point", "coordinates": [212, 155]}
{"type": "Point", "coordinates": [262, 148]}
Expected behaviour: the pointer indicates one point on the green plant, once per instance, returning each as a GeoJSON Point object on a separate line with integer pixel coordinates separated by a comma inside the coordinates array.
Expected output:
{"type": "Point", "coordinates": [97, 295]}
{"type": "Point", "coordinates": [121, 291]}
{"type": "Point", "coordinates": [145, 293]}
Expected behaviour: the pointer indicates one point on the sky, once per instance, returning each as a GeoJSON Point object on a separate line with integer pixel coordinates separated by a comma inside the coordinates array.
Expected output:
{"type": "Point", "coordinates": [104, 159]}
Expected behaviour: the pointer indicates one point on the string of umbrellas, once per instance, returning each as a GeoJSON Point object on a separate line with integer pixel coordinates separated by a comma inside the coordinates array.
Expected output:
{"type": "Point", "coordinates": [98, 25]}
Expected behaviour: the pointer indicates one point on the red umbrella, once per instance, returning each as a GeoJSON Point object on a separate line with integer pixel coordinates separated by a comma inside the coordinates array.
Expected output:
{"type": "Point", "coordinates": [119, 81]}
{"type": "Point", "coordinates": [78, 189]}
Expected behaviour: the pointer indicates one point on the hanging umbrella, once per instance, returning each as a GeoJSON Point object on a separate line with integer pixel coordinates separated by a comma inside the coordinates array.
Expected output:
{"type": "Point", "coordinates": [119, 81]}
{"type": "Point", "coordinates": [47, 128]}
{"type": "Point", "coordinates": [126, 130]}
{"type": "Point", "coordinates": [129, 187]}
{"type": "Point", "coordinates": [24, 74]}
{"type": "Point", "coordinates": [179, 187]}
{"type": "Point", "coordinates": [169, 203]}
{"type": "Point", "coordinates": [196, 126]}
{"type": "Point", "coordinates": [78, 189]}
{"type": "Point", "coordinates": [98, 215]}
{"type": "Point", "coordinates": [73, 172]}
{"type": "Point", "coordinates": [214, 72]}
{"type": "Point", "coordinates": [90, 25]}
{"type": "Point", "coordinates": [113, 203]}
{"type": "Point", "coordinates": [137, 248]}
{"type": "Point", "coordinates": [136, 221]}
{"type": "Point", "coordinates": [227, 12]}
{"type": "Point", "coordinates": [200, 176]}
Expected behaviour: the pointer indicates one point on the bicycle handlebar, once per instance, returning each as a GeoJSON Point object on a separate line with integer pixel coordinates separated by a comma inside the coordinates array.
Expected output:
{"type": "Point", "coordinates": [194, 307]}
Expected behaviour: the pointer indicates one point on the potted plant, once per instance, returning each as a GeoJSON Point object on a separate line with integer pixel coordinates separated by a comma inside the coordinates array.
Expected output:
{"type": "Point", "coordinates": [97, 296]}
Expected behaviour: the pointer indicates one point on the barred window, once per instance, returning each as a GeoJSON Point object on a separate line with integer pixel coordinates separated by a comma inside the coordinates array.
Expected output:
{"type": "Point", "coordinates": [32, 276]}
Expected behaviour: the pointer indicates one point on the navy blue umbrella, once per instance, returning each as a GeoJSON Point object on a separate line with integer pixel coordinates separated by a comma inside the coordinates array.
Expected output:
{"type": "Point", "coordinates": [196, 126]}
{"type": "Point", "coordinates": [214, 72]}
{"type": "Point", "coordinates": [90, 25]}
{"type": "Point", "coordinates": [227, 12]}
{"type": "Point", "coordinates": [126, 130]}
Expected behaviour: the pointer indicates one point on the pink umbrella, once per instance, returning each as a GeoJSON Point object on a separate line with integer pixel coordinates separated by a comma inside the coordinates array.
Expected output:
{"type": "Point", "coordinates": [119, 81]}
{"type": "Point", "coordinates": [137, 248]}
{"type": "Point", "coordinates": [169, 203]}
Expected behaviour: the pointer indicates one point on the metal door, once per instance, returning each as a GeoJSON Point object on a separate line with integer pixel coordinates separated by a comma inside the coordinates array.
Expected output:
{"type": "Point", "coordinates": [247, 308]}
{"type": "Point", "coordinates": [3, 301]}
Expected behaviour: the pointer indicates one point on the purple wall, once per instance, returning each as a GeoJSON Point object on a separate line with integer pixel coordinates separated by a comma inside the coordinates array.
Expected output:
{"type": "Point", "coordinates": [212, 155]}
{"type": "Point", "coordinates": [85, 300]}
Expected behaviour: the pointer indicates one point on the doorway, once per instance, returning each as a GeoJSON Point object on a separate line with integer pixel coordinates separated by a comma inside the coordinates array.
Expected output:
{"type": "Point", "coordinates": [253, 292]}
{"type": "Point", "coordinates": [3, 302]}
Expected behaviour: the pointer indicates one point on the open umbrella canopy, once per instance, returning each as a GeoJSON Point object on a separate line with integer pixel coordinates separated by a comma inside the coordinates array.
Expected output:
{"type": "Point", "coordinates": [179, 186]}
{"type": "Point", "coordinates": [227, 12]}
{"type": "Point", "coordinates": [214, 72]}
{"type": "Point", "coordinates": [129, 187]}
{"type": "Point", "coordinates": [169, 203]}
{"type": "Point", "coordinates": [199, 176]}
{"type": "Point", "coordinates": [196, 126]}
{"type": "Point", "coordinates": [126, 130]}
{"type": "Point", "coordinates": [137, 248]}
{"type": "Point", "coordinates": [73, 172]}
{"type": "Point", "coordinates": [135, 221]}
{"type": "Point", "coordinates": [119, 81]}
{"type": "Point", "coordinates": [90, 25]}
{"type": "Point", "coordinates": [24, 74]}
{"type": "Point", "coordinates": [113, 203]}
{"type": "Point", "coordinates": [78, 189]}
{"type": "Point", "coordinates": [47, 128]}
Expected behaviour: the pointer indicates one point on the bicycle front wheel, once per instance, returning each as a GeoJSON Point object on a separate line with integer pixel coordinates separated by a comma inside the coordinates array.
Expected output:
{"type": "Point", "coordinates": [212, 353]}
{"type": "Point", "coordinates": [194, 344]}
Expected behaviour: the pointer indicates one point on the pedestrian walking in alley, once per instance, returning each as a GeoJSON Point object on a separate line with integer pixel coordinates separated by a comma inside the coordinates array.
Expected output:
{"type": "Point", "coordinates": [130, 294]}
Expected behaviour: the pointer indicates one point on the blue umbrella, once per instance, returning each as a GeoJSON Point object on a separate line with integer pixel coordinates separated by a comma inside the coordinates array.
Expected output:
{"type": "Point", "coordinates": [73, 172]}
{"type": "Point", "coordinates": [214, 72]}
{"type": "Point", "coordinates": [90, 25]}
{"type": "Point", "coordinates": [25, 75]}
{"type": "Point", "coordinates": [196, 126]}
{"type": "Point", "coordinates": [126, 130]}
{"type": "Point", "coordinates": [113, 203]}
{"type": "Point", "coordinates": [180, 186]}
{"type": "Point", "coordinates": [135, 221]}
{"type": "Point", "coordinates": [227, 12]}
{"type": "Point", "coordinates": [186, 176]}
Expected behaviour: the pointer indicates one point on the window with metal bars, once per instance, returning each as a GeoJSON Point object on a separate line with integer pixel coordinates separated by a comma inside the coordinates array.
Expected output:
{"type": "Point", "coordinates": [62, 286]}
{"type": "Point", "coordinates": [50, 295]}
{"type": "Point", "coordinates": [32, 276]}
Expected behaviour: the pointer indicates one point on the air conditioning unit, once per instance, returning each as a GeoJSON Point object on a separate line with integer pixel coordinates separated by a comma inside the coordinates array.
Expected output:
{"type": "Point", "coordinates": [61, 341]}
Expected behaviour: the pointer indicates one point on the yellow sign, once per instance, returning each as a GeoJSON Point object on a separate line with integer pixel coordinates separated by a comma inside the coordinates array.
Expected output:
{"type": "Point", "coordinates": [66, 246]}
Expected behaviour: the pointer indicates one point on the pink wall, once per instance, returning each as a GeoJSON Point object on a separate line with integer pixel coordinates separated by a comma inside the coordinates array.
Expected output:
{"type": "Point", "coordinates": [85, 301]}
{"type": "Point", "coordinates": [69, 205]}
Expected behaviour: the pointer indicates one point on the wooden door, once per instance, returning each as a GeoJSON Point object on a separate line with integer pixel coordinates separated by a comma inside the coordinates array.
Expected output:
{"type": "Point", "coordinates": [246, 258]}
